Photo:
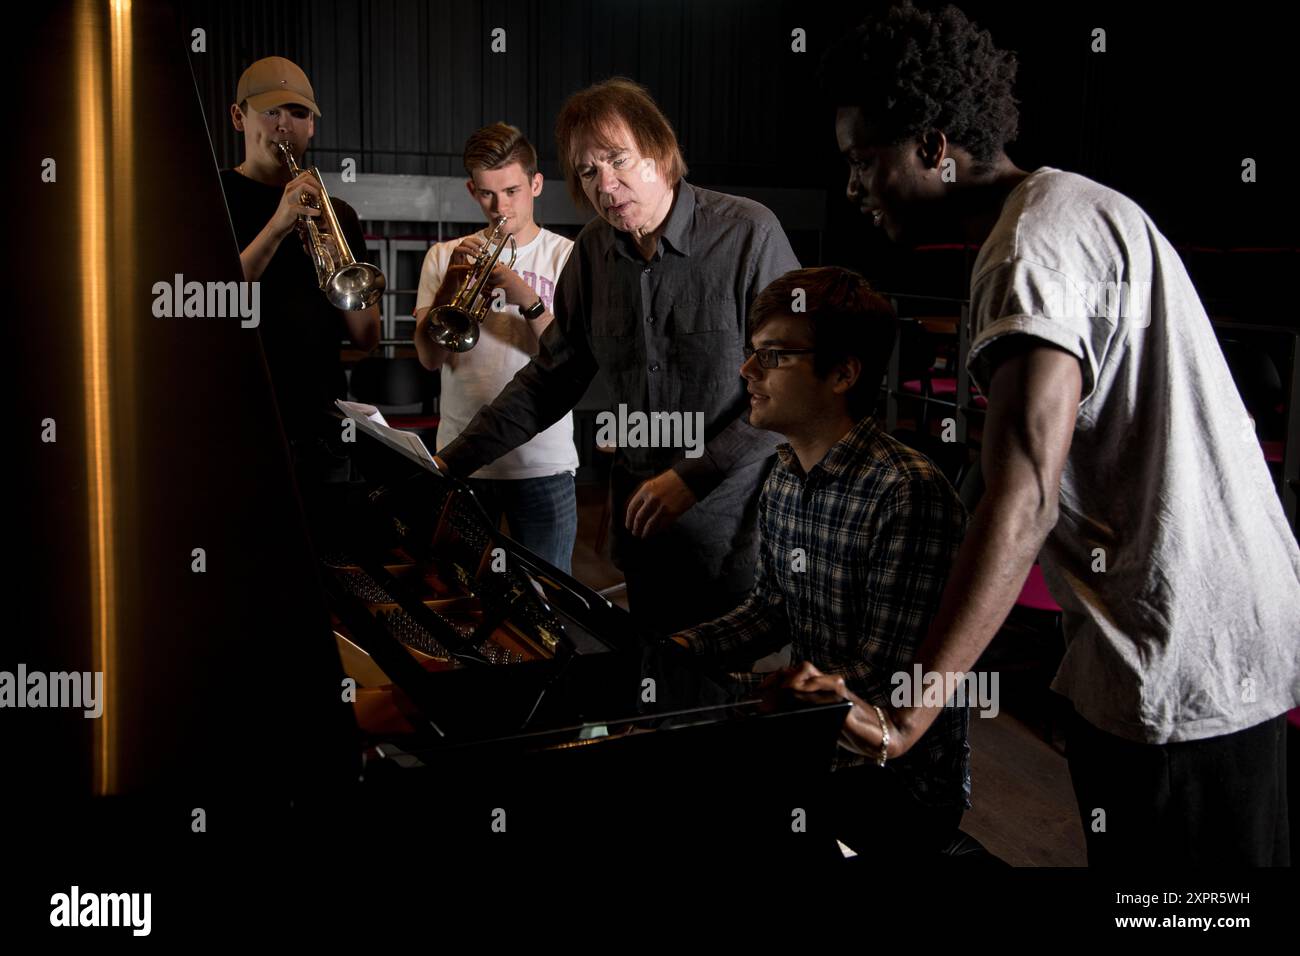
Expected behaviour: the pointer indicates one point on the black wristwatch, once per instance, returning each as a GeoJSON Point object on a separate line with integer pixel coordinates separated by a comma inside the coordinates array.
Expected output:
{"type": "Point", "coordinates": [536, 310]}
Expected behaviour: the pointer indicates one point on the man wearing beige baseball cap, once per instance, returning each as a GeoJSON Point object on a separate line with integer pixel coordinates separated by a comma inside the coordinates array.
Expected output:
{"type": "Point", "coordinates": [301, 331]}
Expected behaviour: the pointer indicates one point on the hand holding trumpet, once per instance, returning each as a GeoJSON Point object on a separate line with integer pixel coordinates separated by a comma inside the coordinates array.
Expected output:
{"type": "Point", "coordinates": [301, 197]}
{"type": "Point", "coordinates": [350, 286]}
{"type": "Point", "coordinates": [455, 325]}
{"type": "Point", "coordinates": [517, 291]}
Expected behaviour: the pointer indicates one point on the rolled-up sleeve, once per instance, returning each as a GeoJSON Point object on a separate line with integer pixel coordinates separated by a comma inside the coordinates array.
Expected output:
{"type": "Point", "coordinates": [1021, 297]}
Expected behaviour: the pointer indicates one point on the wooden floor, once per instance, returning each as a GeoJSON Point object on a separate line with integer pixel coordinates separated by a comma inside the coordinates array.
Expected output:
{"type": "Point", "coordinates": [590, 566]}
{"type": "Point", "coordinates": [1023, 806]}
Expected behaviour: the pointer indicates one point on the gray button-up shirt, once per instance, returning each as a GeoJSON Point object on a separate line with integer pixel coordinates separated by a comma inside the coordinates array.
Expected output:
{"type": "Point", "coordinates": [668, 334]}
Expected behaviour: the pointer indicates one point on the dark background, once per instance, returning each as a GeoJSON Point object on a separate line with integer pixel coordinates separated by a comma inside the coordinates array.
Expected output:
{"type": "Point", "coordinates": [1166, 115]}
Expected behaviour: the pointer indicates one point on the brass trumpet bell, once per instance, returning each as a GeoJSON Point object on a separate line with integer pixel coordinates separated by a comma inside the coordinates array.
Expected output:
{"type": "Point", "coordinates": [348, 284]}
{"type": "Point", "coordinates": [455, 326]}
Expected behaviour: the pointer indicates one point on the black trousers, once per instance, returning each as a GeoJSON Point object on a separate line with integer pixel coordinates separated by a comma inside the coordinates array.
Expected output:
{"type": "Point", "coordinates": [1218, 801]}
{"type": "Point", "coordinates": [672, 581]}
{"type": "Point", "coordinates": [876, 816]}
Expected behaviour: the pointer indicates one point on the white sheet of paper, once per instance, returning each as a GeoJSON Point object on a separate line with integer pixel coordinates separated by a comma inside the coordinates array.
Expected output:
{"type": "Point", "coordinates": [371, 420]}
{"type": "Point", "coordinates": [368, 412]}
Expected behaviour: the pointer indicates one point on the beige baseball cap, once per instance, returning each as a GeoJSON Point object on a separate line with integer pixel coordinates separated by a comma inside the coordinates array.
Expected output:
{"type": "Point", "coordinates": [274, 81]}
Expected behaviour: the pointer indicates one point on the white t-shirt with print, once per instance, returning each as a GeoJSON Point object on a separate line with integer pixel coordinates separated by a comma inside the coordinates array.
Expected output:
{"type": "Point", "coordinates": [473, 379]}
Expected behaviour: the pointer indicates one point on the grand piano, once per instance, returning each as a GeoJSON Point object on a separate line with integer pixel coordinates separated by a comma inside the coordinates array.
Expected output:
{"type": "Point", "coordinates": [477, 662]}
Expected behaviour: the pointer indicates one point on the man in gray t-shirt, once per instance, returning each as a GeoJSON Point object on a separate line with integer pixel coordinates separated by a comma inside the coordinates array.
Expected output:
{"type": "Point", "coordinates": [1115, 442]}
{"type": "Point", "coordinates": [1172, 559]}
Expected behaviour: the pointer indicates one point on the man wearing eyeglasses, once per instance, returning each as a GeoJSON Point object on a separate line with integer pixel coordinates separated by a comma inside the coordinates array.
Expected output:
{"type": "Point", "coordinates": [857, 534]}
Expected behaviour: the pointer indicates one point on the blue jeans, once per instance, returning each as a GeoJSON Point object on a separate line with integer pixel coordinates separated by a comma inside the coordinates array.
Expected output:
{"type": "Point", "coordinates": [542, 513]}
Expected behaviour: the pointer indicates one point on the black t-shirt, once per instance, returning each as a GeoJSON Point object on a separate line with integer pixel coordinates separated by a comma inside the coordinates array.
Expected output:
{"type": "Point", "coordinates": [301, 331]}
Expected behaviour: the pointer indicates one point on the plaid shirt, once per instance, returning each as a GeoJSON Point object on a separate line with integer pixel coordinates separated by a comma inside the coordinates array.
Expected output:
{"type": "Point", "coordinates": [854, 556]}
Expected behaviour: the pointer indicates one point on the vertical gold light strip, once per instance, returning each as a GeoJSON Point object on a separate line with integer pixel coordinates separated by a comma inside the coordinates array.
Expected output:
{"type": "Point", "coordinates": [94, 335]}
{"type": "Point", "coordinates": [124, 314]}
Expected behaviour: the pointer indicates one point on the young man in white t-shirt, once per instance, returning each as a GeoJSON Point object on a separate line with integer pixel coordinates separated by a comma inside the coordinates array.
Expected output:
{"type": "Point", "coordinates": [532, 485]}
{"type": "Point", "coordinates": [1114, 442]}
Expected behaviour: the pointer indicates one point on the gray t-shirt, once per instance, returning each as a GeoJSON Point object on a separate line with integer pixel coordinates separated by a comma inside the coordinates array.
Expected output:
{"type": "Point", "coordinates": [1192, 629]}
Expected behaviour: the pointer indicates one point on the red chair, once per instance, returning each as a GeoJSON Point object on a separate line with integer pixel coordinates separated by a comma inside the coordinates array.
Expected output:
{"type": "Point", "coordinates": [1034, 594]}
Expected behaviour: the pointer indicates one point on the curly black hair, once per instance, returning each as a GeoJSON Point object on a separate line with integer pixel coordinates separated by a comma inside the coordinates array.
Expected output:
{"type": "Point", "coordinates": [911, 70]}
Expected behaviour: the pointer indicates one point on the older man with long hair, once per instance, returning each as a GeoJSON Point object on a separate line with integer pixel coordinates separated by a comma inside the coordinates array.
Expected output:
{"type": "Point", "coordinates": [655, 295]}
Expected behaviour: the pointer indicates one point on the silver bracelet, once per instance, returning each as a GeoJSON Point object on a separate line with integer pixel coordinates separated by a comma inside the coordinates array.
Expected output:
{"type": "Point", "coordinates": [884, 737]}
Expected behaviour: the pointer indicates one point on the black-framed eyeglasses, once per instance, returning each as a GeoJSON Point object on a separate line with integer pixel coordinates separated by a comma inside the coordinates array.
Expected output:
{"type": "Point", "coordinates": [771, 358]}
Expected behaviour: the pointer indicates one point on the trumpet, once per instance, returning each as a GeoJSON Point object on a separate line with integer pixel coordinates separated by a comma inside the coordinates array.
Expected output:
{"type": "Point", "coordinates": [455, 326]}
{"type": "Point", "coordinates": [348, 284]}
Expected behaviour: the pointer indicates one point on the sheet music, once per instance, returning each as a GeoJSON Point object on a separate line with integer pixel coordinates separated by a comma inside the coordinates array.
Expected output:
{"type": "Point", "coordinates": [371, 420]}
